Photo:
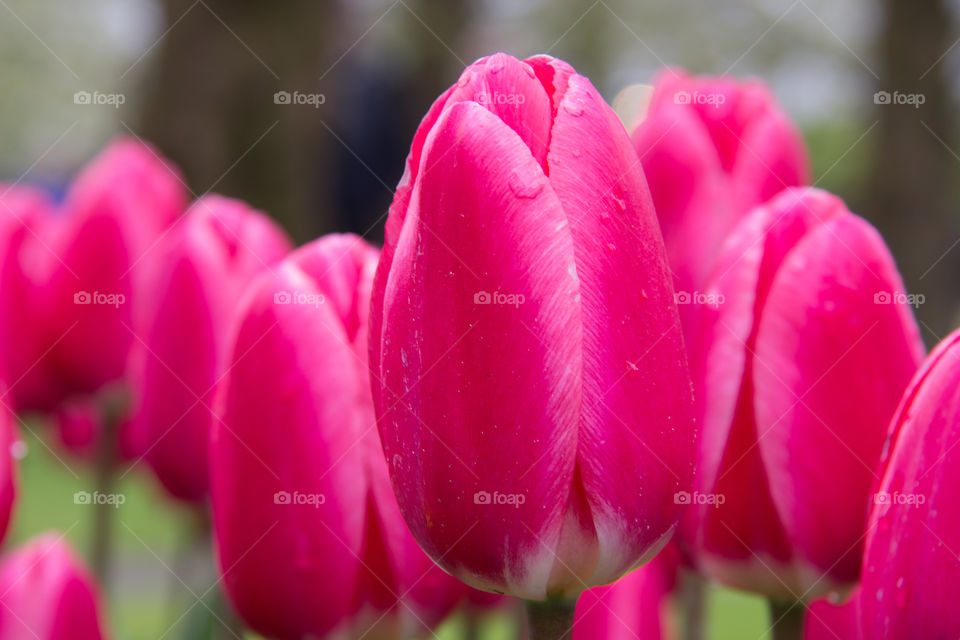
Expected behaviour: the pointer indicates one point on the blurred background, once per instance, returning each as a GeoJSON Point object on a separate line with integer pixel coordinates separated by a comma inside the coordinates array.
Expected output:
{"type": "Point", "coordinates": [306, 110]}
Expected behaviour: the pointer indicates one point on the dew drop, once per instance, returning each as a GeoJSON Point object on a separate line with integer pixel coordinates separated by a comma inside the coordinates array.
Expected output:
{"type": "Point", "coordinates": [525, 188]}
{"type": "Point", "coordinates": [633, 371]}
{"type": "Point", "coordinates": [575, 109]}
{"type": "Point", "coordinates": [611, 246]}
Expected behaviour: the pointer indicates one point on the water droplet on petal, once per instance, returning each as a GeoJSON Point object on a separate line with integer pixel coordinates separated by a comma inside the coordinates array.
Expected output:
{"type": "Point", "coordinates": [575, 109]}
{"type": "Point", "coordinates": [525, 188]}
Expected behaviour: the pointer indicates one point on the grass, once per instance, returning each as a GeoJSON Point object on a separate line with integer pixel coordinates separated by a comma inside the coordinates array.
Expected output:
{"type": "Point", "coordinates": [153, 544]}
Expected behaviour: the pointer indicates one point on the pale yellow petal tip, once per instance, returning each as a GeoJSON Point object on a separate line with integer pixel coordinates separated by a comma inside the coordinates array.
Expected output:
{"type": "Point", "coordinates": [632, 103]}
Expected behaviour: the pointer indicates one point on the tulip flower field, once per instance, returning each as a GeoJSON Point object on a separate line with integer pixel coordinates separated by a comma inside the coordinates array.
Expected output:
{"type": "Point", "coordinates": [594, 370]}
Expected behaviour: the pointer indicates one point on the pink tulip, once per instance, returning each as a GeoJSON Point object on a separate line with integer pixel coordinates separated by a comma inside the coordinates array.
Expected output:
{"type": "Point", "coordinates": [827, 621]}
{"type": "Point", "coordinates": [8, 436]}
{"type": "Point", "coordinates": [205, 263]}
{"type": "Point", "coordinates": [713, 148]}
{"type": "Point", "coordinates": [910, 562]}
{"type": "Point", "coordinates": [26, 219]}
{"type": "Point", "coordinates": [79, 423]}
{"type": "Point", "coordinates": [529, 374]}
{"type": "Point", "coordinates": [633, 608]}
{"type": "Point", "coordinates": [309, 536]}
{"type": "Point", "coordinates": [115, 210]}
{"type": "Point", "coordinates": [46, 594]}
{"type": "Point", "coordinates": [801, 358]}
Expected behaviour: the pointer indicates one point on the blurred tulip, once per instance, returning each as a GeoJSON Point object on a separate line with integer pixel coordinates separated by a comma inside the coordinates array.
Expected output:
{"type": "Point", "coordinates": [712, 148]}
{"type": "Point", "coordinates": [205, 263]}
{"type": "Point", "coordinates": [309, 537]}
{"type": "Point", "coordinates": [8, 437]}
{"type": "Point", "coordinates": [529, 374]}
{"type": "Point", "coordinates": [79, 423]}
{"type": "Point", "coordinates": [910, 563]}
{"type": "Point", "coordinates": [47, 594]}
{"type": "Point", "coordinates": [26, 219]}
{"type": "Point", "coordinates": [633, 608]}
{"type": "Point", "coordinates": [807, 343]}
{"type": "Point", "coordinates": [101, 246]}
{"type": "Point", "coordinates": [827, 621]}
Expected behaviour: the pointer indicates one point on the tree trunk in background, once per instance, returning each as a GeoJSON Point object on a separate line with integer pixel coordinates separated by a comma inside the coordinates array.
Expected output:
{"type": "Point", "coordinates": [210, 104]}
{"type": "Point", "coordinates": [210, 99]}
{"type": "Point", "coordinates": [912, 194]}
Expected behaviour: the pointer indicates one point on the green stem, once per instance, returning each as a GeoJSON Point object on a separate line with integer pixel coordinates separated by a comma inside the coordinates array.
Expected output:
{"type": "Point", "coordinates": [551, 620]}
{"type": "Point", "coordinates": [693, 599]}
{"type": "Point", "coordinates": [104, 481]}
{"type": "Point", "coordinates": [787, 619]}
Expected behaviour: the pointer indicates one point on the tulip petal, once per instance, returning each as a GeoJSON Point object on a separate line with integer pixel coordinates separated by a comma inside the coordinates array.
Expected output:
{"type": "Point", "coordinates": [821, 328]}
{"type": "Point", "coordinates": [522, 388]}
{"type": "Point", "coordinates": [910, 560]}
{"type": "Point", "coordinates": [636, 436]}
{"type": "Point", "coordinates": [277, 556]}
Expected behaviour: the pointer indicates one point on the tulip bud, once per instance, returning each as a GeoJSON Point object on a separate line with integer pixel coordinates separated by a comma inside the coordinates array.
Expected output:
{"type": "Point", "coordinates": [633, 608]}
{"type": "Point", "coordinates": [204, 265]}
{"type": "Point", "coordinates": [46, 594]}
{"type": "Point", "coordinates": [8, 438]}
{"type": "Point", "coordinates": [828, 621]}
{"type": "Point", "coordinates": [712, 149]}
{"type": "Point", "coordinates": [529, 374]}
{"type": "Point", "coordinates": [801, 359]}
{"type": "Point", "coordinates": [114, 212]}
{"type": "Point", "coordinates": [309, 537]}
{"type": "Point", "coordinates": [910, 560]}
{"type": "Point", "coordinates": [26, 219]}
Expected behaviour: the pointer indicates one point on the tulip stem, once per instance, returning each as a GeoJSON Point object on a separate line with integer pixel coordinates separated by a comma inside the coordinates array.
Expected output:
{"type": "Point", "coordinates": [551, 620]}
{"type": "Point", "coordinates": [693, 599]}
{"type": "Point", "coordinates": [787, 619]}
{"type": "Point", "coordinates": [105, 477]}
